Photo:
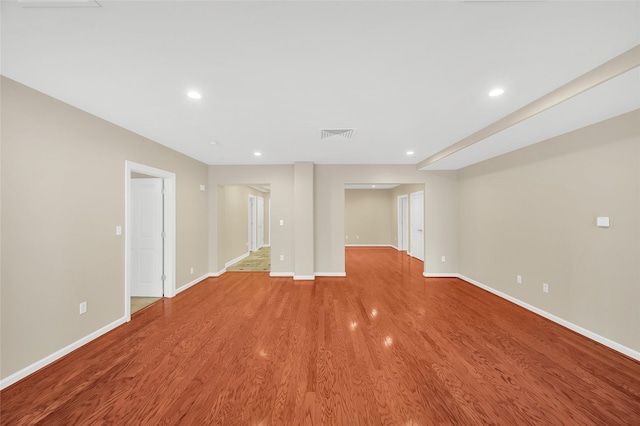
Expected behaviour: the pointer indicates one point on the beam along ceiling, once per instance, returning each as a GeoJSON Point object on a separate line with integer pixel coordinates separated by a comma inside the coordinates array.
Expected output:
{"type": "Point", "coordinates": [412, 78]}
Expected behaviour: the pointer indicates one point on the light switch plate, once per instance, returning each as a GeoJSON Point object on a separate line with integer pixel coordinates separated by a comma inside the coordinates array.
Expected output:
{"type": "Point", "coordinates": [602, 222]}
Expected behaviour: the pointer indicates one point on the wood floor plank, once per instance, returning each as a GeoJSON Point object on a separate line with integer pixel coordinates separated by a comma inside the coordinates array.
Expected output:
{"type": "Point", "coordinates": [383, 346]}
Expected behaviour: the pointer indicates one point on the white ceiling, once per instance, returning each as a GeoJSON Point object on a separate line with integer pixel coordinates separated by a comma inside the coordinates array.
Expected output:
{"type": "Point", "coordinates": [407, 75]}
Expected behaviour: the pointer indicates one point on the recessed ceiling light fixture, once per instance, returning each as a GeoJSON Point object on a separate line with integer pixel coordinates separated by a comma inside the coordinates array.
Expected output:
{"type": "Point", "coordinates": [257, 153]}
{"type": "Point", "coordinates": [194, 95]}
{"type": "Point", "coordinates": [214, 143]}
{"type": "Point", "coordinates": [496, 92]}
{"type": "Point", "coordinates": [410, 153]}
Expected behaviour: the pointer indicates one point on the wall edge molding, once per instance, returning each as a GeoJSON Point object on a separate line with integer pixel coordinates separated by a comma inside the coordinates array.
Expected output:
{"type": "Point", "coordinates": [304, 277]}
{"type": "Point", "coordinates": [237, 259]}
{"type": "Point", "coordinates": [192, 283]}
{"type": "Point", "coordinates": [330, 274]}
{"type": "Point", "coordinates": [281, 274]}
{"type": "Point", "coordinates": [217, 274]}
{"type": "Point", "coordinates": [370, 245]}
{"type": "Point", "coordinates": [49, 359]}
{"type": "Point", "coordinates": [560, 321]}
{"type": "Point", "coordinates": [441, 275]}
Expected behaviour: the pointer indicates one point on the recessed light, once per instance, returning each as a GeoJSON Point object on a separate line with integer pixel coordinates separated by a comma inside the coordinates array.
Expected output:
{"type": "Point", "coordinates": [214, 143]}
{"type": "Point", "coordinates": [410, 153]}
{"type": "Point", "coordinates": [194, 95]}
{"type": "Point", "coordinates": [257, 154]}
{"type": "Point", "coordinates": [496, 92]}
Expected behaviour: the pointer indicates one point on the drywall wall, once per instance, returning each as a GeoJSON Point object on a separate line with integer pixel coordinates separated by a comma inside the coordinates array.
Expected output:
{"type": "Point", "coordinates": [63, 186]}
{"type": "Point", "coordinates": [533, 213]}
{"type": "Point", "coordinates": [303, 243]}
{"type": "Point", "coordinates": [367, 216]}
{"type": "Point", "coordinates": [440, 211]}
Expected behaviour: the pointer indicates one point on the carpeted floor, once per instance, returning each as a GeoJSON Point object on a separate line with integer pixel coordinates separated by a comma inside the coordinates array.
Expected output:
{"type": "Point", "coordinates": [257, 261]}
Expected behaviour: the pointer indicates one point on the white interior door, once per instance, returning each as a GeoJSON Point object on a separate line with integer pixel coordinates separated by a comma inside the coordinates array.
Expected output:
{"type": "Point", "coordinates": [403, 222]}
{"type": "Point", "coordinates": [252, 224]}
{"type": "Point", "coordinates": [260, 227]}
{"type": "Point", "coordinates": [417, 225]}
{"type": "Point", "coordinates": [146, 237]}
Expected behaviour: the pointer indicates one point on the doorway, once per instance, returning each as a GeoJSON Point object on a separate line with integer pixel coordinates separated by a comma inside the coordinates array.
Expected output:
{"type": "Point", "coordinates": [244, 242]}
{"type": "Point", "coordinates": [149, 233]}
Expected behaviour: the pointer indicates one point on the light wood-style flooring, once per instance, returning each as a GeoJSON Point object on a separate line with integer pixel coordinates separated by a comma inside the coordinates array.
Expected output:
{"type": "Point", "coordinates": [383, 346]}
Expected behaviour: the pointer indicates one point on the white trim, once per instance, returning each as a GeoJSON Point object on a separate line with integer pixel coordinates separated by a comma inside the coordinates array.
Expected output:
{"type": "Point", "coordinates": [403, 231]}
{"type": "Point", "coordinates": [19, 375]}
{"type": "Point", "coordinates": [217, 274]}
{"type": "Point", "coordinates": [330, 274]}
{"type": "Point", "coordinates": [369, 245]}
{"type": "Point", "coordinates": [281, 274]}
{"type": "Point", "coordinates": [304, 277]}
{"type": "Point", "coordinates": [192, 283]}
{"type": "Point", "coordinates": [252, 234]}
{"type": "Point", "coordinates": [236, 260]}
{"type": "Point", "coordinates": [169, 179]}
{"type": "Point", "coordinates": [266, 245]}
{"type": "Point", "coordinates": [573, 327]}
{"type": "Point", "coordinates": [441, 275]}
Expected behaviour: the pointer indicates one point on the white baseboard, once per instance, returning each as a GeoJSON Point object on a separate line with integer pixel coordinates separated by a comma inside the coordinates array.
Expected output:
{"type": "Point", "coordinates": [369, 245]}
{"type": "Point", "coordinates": [573, 327]}
{"type": "Point", "coordinates": [237, 259]}
{"type": "Point", "coordinates": [8, 381]}
{"type": "Point", "coordinates": [192, 283]}
{"type": "Point", "coordinates": [217, 274]}
{"type": "Point", "coordinates": [441, 275]}
{"type": "Point", "coordinates": [281, 274]}
{"type": "Point", "coordinates": [304, 277]}
{"type": "Point", "coordinates": [330, 274]}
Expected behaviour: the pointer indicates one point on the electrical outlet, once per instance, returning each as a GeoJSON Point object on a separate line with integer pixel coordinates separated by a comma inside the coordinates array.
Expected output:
{"type": "Point", "coordinates": [83, 307]}
{"type": "Point", "coordinates": [519, 279]}
{"type": "Point", "coordinates": [192, 269]}
{"type": "Point", "coordinates": [282, 257]}
{"type": "Point", "coordinates": [357, 237]}
{"type": "Point", "coordinates": [347, 237]}
{"type": "Point", "coordinates": [545, 287]}
{"type": "Point", "coordinates": [444, 259]}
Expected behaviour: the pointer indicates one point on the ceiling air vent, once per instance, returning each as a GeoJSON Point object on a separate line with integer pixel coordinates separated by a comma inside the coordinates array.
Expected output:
{"type": "Point", "coordinates": [337, 134]}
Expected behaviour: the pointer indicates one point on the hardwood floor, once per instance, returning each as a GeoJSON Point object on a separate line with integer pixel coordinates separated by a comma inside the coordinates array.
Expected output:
{"type": "Point", "coordinates": [383, 346]}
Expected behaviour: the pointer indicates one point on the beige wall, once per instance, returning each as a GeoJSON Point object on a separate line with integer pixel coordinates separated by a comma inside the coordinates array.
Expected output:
{"type": "Point", "coordinates": [533, 213]}
{"type": "Point", "coordinates": [440, 208]}
{"type": "Point", "coordinates": [367, 216]}
{"type": "Point", "coordinates": [63, 174]}
{"type": "Point", "coordinates": [303, 243]}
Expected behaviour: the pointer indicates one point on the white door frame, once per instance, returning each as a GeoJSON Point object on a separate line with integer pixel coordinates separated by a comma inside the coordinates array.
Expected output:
{"type": "Point", "coordinates": [421, 229]}
{"type": "Point", "coordinates": [421, 225]}
{"type": "Point", "coordinates": [169, 206]}
{"type": "Point", "coordinates": [403, 222]}
{"type": "Point", "coordinates": [252, 223]}
{"type": "Point", "coordinates": [259, 222]}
